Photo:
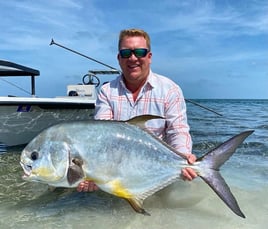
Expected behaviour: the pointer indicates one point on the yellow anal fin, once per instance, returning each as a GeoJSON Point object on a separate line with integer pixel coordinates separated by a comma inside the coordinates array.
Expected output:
{"type": "Point", "coordinates": [119, 190]}
{"type": "Point", "coordinates": [136, 205]}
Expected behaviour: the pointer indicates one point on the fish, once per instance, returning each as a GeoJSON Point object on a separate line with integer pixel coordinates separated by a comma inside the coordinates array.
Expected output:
{"type": "Point", "coordinates": [122, 158]}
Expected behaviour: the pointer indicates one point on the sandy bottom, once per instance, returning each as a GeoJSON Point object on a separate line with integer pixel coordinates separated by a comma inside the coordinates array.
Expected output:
{"type": "Point", "coordinates": [182, 205]}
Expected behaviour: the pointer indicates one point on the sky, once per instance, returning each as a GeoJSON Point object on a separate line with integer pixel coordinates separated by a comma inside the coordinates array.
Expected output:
{"type": "Point", "coordinates": [211, 48]}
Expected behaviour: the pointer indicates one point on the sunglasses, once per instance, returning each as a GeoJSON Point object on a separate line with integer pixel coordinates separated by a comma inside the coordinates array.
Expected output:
{"type": "Point", "coordinates": [139, 53]}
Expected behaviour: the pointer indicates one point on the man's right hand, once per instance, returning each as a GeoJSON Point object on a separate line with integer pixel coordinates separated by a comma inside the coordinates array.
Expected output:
{"type": "Point", "coordinates": [87, 186]}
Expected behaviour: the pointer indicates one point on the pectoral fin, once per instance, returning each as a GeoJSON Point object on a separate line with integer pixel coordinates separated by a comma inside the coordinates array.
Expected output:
{"type": "Point", "coordinates": [75, 171]}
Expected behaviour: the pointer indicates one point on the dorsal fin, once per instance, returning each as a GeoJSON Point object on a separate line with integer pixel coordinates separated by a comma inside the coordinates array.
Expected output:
{"type": "Point", "coordinates": [142, 119]}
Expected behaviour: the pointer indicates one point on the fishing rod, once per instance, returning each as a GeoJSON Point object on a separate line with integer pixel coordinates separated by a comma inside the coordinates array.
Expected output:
{"type": "Point", "coordinates": [206, 108]}
{"type": "Point", "coordinates": [81, 54]}
{"type": "Point", "coordinates": [106, 65]}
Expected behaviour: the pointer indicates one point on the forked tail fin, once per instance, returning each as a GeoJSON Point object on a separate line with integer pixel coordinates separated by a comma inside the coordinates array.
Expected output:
{"type": "Point", "coordinates": [210, 165]}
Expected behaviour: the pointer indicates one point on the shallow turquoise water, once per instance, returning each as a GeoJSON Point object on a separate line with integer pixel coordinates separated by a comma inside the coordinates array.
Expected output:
{"type": "Point", "coordinates": [182, 205]}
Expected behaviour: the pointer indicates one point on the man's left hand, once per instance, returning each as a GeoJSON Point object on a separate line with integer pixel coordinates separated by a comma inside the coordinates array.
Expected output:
{"type": "Point", "coordinates": [188, 173]}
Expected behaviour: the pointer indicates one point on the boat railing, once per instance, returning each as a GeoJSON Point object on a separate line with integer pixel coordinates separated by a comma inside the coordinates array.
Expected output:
{"type": "Point", "coordinates": [12, 69]}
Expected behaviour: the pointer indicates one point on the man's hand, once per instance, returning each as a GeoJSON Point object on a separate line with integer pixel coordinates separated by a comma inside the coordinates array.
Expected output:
{"type": "Point", "coordinates": [188, 173]}
{"type": "Point", "coordinates": [87, 186]}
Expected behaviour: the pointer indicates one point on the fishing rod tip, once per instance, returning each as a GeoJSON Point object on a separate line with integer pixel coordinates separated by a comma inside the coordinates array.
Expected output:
{"type": "Point", "coordinates": [52, 42]}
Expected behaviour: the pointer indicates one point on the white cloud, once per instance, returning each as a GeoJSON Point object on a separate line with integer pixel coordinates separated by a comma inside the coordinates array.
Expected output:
{"type": "Point", "coordinates": [191, 37]}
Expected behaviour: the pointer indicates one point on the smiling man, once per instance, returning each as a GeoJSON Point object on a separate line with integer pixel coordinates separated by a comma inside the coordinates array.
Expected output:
{"type": "Point", "coordinates": [139, 91]}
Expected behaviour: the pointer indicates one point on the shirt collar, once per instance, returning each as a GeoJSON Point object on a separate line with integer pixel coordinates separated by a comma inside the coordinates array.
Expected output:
{"type": "Point", "coordinates": [151, 80]}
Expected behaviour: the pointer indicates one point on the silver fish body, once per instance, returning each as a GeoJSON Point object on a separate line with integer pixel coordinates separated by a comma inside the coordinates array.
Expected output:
{"type": "Point", "coordinates": [121, 158]}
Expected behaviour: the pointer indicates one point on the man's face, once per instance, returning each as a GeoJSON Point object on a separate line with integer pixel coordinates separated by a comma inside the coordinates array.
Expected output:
{"type": "Point", "coordinates": [134, 68]}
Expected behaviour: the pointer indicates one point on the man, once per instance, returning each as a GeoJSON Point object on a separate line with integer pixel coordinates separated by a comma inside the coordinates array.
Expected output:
{"type": "Point", "coordinates": [139, 91]}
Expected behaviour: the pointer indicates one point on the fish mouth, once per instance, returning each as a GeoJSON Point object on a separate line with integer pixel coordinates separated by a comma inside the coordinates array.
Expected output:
{"type": "Point", "coordinates": [27, 170]}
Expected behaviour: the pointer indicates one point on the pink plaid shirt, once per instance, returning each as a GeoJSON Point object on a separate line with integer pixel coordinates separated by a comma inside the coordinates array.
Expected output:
{"type": "Point", "coordinates": [159, 96]}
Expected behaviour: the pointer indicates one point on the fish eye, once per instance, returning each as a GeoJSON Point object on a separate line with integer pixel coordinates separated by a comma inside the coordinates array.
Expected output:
{"type": "Point", "coordinates": [34, 155]}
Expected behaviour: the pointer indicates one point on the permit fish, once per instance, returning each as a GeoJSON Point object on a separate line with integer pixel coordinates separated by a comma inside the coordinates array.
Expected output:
{"type": "Point", "coordinates": [122, 158]}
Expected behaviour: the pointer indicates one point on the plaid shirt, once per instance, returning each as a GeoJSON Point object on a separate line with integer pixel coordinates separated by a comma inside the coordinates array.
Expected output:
{"type": "Point", "coordinates": [159, 96]}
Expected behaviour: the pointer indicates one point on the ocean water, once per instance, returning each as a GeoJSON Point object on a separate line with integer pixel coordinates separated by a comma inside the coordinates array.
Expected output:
{"type": "Point", "coordinates": [181, 205]}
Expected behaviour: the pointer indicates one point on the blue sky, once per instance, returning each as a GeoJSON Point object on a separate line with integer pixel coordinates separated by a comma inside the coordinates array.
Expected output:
{"type": "Point", "coordinates": [212, 49]}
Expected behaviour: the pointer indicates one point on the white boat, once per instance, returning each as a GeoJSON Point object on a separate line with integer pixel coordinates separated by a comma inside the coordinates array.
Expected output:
{"type": "Point", "coordinates": [22, 118]}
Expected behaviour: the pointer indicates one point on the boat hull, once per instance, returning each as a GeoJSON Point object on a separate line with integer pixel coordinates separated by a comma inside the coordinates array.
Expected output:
{"type": "Point", "coordinates": [22, 119]}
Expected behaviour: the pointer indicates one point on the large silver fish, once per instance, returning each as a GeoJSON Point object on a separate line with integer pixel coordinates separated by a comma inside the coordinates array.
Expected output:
{"type": "Point", "coordinates": [121, 158]}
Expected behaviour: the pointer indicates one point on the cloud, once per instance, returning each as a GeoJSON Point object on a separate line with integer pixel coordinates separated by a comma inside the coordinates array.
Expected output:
{"type": "Point", "coordinates": [204, 40]}
{"type": "Point", "coordinates": [216, 18]}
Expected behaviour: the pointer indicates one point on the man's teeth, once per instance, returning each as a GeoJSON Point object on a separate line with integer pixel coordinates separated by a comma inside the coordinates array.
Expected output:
{"type": "Point", "coordinates": [133, 66]}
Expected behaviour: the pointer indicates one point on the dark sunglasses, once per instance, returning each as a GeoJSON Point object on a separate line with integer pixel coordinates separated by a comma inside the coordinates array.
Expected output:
{"type": "Point", "coordinates": [139, 53]}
